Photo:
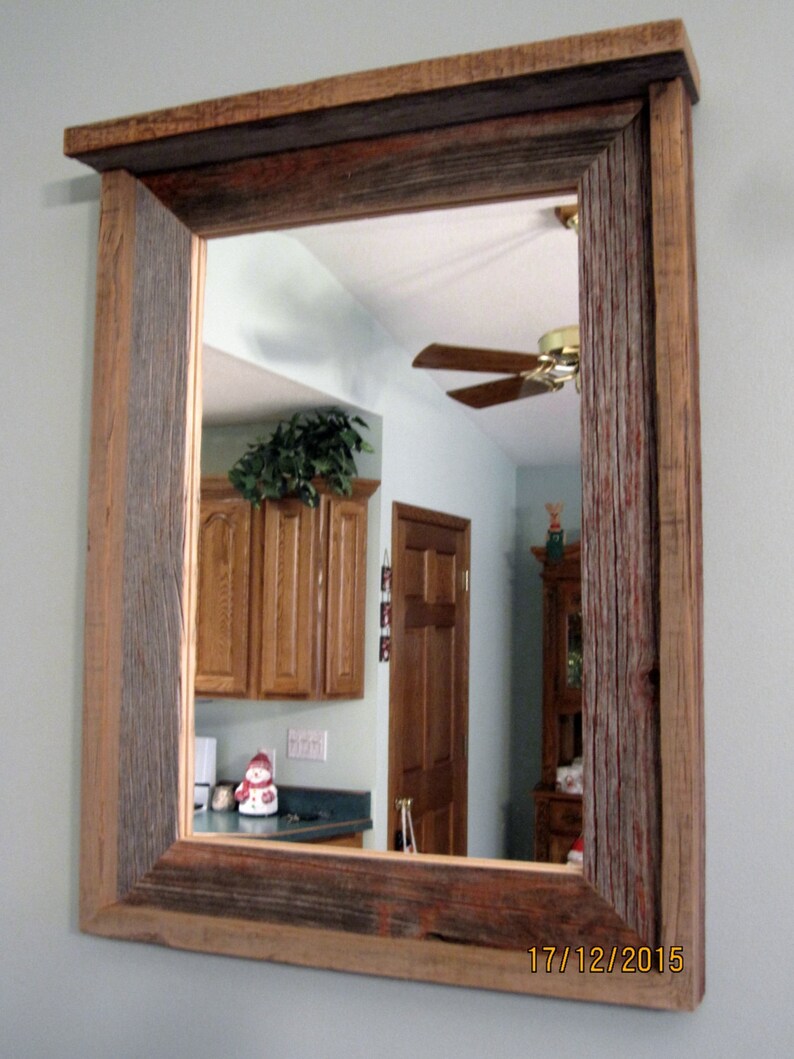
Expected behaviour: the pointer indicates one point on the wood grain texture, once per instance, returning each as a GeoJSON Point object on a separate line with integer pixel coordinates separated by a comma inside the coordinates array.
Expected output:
{"type": "Point", "coordinates": [680, 535]}
{"type": "Point", "coordinates": [619, 518]}
{"type": "Point", "coordinates": [107, 513]}
{"type": "Point", "coordinates": [423, 170]}
{"type": "Point", "coordinates": [425, 959]}
{"type": "Point", "coordinates": [394, 896]}
{"type": "Point", "coordinates": [288, 605]}
{"type": "Point", "coordinates": [612, 64]}
{"type": "Point", "coordinates": [154, 545]}
{"type": "Point", "coordinates": [345, 597]}
{"type": "Point", "coordinates": [214, 896]}
{"type": "Point", "coordinates": [224, 591]}
{"type": "Point", "coordinates": [137, 609]}
{"type": "Point", "coordinates": [429, 676]}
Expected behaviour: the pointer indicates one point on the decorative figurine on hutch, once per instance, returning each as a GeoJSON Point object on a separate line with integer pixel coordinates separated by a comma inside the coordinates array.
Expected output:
{"type": "Point", "coordinates": [257, 794]}
{"type": "Point", "coordinates": [555, 537]}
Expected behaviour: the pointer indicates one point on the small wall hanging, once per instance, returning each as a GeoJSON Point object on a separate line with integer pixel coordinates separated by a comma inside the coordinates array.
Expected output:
{"type": "Point", "coordinates": [385, 609]}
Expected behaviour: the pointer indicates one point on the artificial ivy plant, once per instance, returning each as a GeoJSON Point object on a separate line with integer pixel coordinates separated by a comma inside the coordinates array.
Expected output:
{"type": "Point", "coordinates": [306, 447]}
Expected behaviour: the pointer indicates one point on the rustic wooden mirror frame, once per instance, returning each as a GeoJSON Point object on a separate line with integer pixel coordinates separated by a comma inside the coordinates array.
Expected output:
{"type": "Point", "coordinates": [607, 114]}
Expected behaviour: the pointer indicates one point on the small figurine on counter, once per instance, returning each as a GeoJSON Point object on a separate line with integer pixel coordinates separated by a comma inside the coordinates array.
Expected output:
{"type": "Point", "coordinates": [555, 537]}
{"type": "Point", "coordinates": [257, 794]}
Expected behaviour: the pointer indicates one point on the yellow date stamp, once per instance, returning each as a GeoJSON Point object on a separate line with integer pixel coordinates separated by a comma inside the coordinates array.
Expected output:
{"type": "Point", "coordinates": [595, 959]}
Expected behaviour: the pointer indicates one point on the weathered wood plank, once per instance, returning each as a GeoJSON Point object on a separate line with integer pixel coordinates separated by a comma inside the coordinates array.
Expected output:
{"type": "Point", "coordinates": [473, 966]}
{"type": "Point", "coordinates": [213, 900]}
{"type": "Point", "coordinates": [107, 512]}
{"type": "Point", "coordinates": [401, 897]}
{"type": "Point", "coordinates": [611, 64]}
{"type": "Point", "coordinates": [620, 585]}
{"type": "Point", "coordinates": [480, 162]}
{"type": "Point", "coordinates": [154, 597]}
{"type": "Point", "coordinates": [680, 544]}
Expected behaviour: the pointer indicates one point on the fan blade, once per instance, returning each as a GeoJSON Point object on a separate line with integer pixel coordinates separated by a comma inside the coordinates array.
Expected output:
{"type": "Point", "coordinates": [491, 393]}
{"type": "Point", "coordinates": [465, 358]}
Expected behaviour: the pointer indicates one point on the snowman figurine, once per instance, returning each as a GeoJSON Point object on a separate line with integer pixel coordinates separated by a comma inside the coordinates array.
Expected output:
{"type": "Point", "coordinates": [257, 793]}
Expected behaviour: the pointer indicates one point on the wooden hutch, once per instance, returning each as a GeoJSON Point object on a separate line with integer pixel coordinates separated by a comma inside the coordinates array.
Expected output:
{"type": "Point", "coordinates": [558, 815]}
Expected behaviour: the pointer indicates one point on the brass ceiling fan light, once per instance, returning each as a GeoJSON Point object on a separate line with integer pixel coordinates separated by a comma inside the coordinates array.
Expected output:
{"type": "Point", "coordinates": [555, 363]}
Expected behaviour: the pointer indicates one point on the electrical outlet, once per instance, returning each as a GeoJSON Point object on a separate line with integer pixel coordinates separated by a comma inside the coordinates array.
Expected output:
{"type": "Point", "coordinates": [307, 744]}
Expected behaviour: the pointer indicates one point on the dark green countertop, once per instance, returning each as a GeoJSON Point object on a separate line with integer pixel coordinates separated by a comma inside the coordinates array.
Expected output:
{"type": "Point", "coordinates": [306, 814]}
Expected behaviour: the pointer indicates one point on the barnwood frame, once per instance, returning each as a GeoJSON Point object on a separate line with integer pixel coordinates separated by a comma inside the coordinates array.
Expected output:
{"type": "Point", "coordinates": [608, 115]}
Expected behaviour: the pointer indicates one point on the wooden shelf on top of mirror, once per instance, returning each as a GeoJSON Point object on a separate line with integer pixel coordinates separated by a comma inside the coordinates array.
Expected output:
{"type": "Point", "coordinates": [558, 815]}
{"type": "Point", "coordinates": [281, 594]}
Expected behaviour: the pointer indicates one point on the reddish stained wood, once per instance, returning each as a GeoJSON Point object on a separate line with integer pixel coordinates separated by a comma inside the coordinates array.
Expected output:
{"type": "Point", "coordinates": [422, 170]}
{"type": "Point", "coordinates": [399, 897]}
{"type": "Point", "coordinates": [429, 676]}
{"type": "Point", "coordinates": [620, 588]}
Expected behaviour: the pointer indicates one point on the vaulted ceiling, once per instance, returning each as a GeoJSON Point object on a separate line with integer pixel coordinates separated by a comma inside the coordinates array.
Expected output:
{"type": "Point", "coordinates": [496, 275]}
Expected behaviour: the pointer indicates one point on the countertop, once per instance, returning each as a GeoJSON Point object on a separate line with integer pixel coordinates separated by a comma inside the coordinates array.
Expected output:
{"type": "Point", "coordinates": [306, 814]}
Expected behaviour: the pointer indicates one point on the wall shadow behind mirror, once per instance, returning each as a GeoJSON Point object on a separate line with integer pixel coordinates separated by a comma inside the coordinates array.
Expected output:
{"type": "Point", "coordinates": [334, 315]}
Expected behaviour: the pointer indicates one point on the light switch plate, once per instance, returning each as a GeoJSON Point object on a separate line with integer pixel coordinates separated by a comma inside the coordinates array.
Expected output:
{"type": "Point", "coordinates": [307, 744]}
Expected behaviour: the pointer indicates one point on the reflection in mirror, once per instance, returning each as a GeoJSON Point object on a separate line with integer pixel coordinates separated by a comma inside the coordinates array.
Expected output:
{"type": "Point", "coordinates": [573, 668]}
{"type": "Point", "coordinates": [334, 315]}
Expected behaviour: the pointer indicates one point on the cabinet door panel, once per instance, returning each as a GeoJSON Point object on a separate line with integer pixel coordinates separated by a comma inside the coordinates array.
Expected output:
{"type": "Point", "coordinates": [289, 598]}
{"type": "Point", "coordinates": [566, 817]}
{"type": "Point", "coordinates": [345, 597]}
{"type": "Point", "coordinates": [223, 597]}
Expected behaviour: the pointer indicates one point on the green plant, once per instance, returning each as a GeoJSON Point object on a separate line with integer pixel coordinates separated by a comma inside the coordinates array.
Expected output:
{"type": "Point", "coordinates": [305, 447]}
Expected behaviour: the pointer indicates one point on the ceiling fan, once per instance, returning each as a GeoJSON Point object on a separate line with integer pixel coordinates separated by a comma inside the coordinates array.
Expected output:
{"type": "Point", "coordinates": [555, 363]}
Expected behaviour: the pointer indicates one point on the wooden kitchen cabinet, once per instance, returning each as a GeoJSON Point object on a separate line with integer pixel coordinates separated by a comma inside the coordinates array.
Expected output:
{"type": "Point", "coordinates": [304, 619]}
{"type": "Point", "coordinates": [224, 586]}
{"type": "Point", "coordinates": [558, 815]}
{"type": "Point", "coordinates": [345, 596]}
{"type": "Point", "coordinates": [286, 615]}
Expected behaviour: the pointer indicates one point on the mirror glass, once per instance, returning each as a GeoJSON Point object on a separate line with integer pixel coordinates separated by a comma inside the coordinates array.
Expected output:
{"type": "Point", "coordinates": [333, 315]}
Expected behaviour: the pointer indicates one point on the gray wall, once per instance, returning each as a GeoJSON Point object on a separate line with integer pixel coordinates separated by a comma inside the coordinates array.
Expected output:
{"type": "Point", "coordinates": [62, 993]}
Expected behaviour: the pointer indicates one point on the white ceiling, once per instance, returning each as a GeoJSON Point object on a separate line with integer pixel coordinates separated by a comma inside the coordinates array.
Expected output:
{"type": "Point", "coordinates": [497, 275]}
{"type": "Point", "coordinates": [238, 391]}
